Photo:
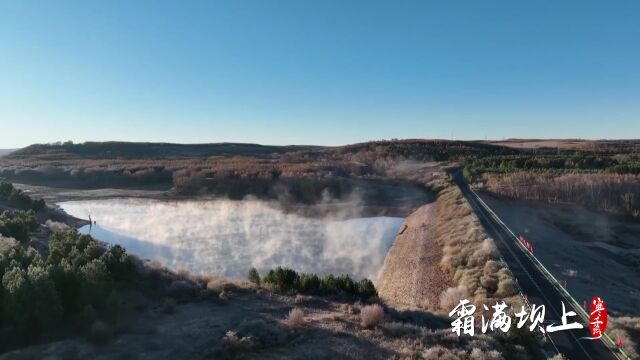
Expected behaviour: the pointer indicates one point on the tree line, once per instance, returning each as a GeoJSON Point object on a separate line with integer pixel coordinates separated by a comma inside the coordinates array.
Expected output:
{"type": "Point", "coordinates": [616, 193]}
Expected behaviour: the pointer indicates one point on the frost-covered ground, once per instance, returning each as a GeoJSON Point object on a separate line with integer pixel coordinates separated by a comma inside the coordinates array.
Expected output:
{"type": "Point", "coordinates": [580, 246]}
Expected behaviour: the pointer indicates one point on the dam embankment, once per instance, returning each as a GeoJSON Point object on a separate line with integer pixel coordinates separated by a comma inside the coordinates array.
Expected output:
{"type": "Point", "coordinates": [411, 274]}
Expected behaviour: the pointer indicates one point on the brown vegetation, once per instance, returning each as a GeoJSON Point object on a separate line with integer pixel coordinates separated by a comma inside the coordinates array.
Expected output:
{"type": "Point", "coordinates": [95, 165]}
{"type": "Point", "coordinates": [609, 192]}
{"type": "Point", "coordinates": [626, 329]}
{"type": "Point", "coordinates": [295, 317]}
{"type": "Point", "coordinates": [470, 256]}
{"type": "Point", "coordinates": [569, 144]}
{"type": "Point", "coordinates": [371, 315]}
{"type": "Point", "coordinates": [443, 255]}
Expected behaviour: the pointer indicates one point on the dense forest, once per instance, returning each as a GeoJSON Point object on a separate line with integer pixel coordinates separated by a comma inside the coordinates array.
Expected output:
{"type": "Point", "coordinates": [605, 180]}
{"type": "Point", "coordinates": [614, 193]}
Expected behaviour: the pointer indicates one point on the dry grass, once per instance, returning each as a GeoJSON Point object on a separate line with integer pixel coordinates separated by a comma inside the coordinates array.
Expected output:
{"type": "Point", "coordinates": [451, 297]}
{"type": "Point", "coordinates": [469, 254]}
{"type": "Point", "coordinates": [371, 316]}
{"type": "Point", "coordinates": [295, 318]}
{"type": "Point", "coordinates": [479, 354]}
{"type": "Point", "coordinates": [55, 226]}
{"type": "Point", "coordinates": [627, 329]}
{"type": "Point", "coordinates": [183, 274]}
{"type": "Point", "coordinates": [215, 284]}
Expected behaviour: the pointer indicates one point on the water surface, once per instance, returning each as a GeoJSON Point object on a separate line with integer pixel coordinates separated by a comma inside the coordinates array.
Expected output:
{"type": "Point", "coordinates": [228, 237]}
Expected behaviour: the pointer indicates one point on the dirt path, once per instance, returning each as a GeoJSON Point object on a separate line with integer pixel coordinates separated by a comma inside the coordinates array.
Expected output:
{"type": "Point", "coordinates": [411, 274]}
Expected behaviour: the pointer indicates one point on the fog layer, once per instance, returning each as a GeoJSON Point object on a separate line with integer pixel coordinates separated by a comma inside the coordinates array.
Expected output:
{"type": "Point", "coordinates": [227, 237]}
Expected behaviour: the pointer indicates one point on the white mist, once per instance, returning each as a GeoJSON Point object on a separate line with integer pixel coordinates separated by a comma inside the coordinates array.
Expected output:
{"type": "Point", "coordinates": [227, 237]}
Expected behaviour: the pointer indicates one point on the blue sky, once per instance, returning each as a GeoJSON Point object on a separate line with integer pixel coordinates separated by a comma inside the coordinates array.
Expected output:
{"type": "Point", "coordinates": [317, 72]}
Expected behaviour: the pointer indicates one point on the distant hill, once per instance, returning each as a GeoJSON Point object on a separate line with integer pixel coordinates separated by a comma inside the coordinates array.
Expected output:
{"type": "Point", "coordinates": [118, 149]}
{"type": "Point", "coordinates": [570, 144]}
{"type": "Point", "coordinates": [4, 152]}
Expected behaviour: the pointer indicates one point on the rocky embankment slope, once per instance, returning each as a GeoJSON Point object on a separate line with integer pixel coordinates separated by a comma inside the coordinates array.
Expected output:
{"type": "Point", "coordinates": [441, 255]}
{"type": "Point", "coordinates": [411, 274]}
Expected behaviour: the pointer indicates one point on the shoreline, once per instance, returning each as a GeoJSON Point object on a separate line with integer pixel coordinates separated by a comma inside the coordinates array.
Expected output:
{"type": "Point", "coordinates": [53, 196]}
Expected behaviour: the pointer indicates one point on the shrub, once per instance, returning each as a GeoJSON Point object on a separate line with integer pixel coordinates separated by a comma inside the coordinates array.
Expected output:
{"type": "Point", "coordinates": [183, 273]}
{"type": "Point", "coordinates": [490, 283]}
{"type": "Point", "coordinates": [451, 297]}
{"type": "Point", "coordinates": [371, 315]}
{"type": "Point", "coordinates": [18, 224]}
{"type": "Point", "coordinates": [283, 279]}
{"type": "Point", "coordinates": [308, 283]}
{"type": "Point", "coordinates": [95, 282]}
{"type": "Point", "coordinates": [470, 256]}
{"type": "Point", "coordinates": [329, 284]}
{"type": "Point", "coordinates": [16, 198]}
{"type": "Point", "coordinates": [295, 317]}
{"type": "Point", "coordinates": [366, 289]}
{"type": "Point", "coordinates": [216, 285]}
{"type": "Point", "coordinates": [78, 283]}
{"type": "Point", "coordinates": [119, 264]}
{"type": "Point", "coordinates": [55, 226]}
{"type": "Point", "coordinates": [345, 283]}
{"type": "Point", "coordinates": [68, 246]}
{"type": "Point", "coordinates": [12, 254]}
{"type": "Point", "coordinates": [506, 288]}
{"type": "Point", "coordinates": [491, 267]}
{"type": "Point", "coordinates": [253, 276]}
{"type": "Point", "coordinates": [30, 303]}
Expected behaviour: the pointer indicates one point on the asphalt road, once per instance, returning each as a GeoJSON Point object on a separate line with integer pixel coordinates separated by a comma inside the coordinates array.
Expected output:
{"type": "Point", "coordinates": [538, 287]}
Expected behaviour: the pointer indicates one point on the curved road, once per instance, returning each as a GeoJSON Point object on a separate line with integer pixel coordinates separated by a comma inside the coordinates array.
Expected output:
{"type": "Point", "coordinates": [539, 289]}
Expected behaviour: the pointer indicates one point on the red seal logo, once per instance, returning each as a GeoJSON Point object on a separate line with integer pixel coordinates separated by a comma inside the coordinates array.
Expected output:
{"type": "Point", "coordinates": [597, 317]}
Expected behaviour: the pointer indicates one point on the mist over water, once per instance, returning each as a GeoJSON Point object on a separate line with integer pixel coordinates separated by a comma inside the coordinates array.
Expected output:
{"type": "Point", "coordinates": [227, 237]}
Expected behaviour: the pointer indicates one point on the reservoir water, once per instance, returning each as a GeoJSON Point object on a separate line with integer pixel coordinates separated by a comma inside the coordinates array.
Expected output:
{"type": "Point", "coordinates": [227, 237]}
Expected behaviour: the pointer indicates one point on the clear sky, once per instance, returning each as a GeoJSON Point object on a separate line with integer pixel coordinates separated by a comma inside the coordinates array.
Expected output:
{"type": "Point", "coordinates": [317, 72]}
